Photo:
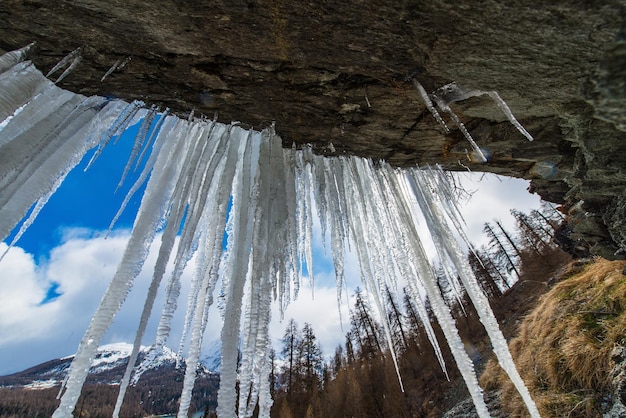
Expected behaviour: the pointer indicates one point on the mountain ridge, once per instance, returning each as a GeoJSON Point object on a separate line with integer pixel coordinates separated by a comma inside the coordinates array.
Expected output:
{"type": "Point", "coordinates": [155, 390]}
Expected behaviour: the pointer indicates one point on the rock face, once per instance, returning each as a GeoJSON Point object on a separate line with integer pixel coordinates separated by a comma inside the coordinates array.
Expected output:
{"type": "Point", "coordinates": [338, 75]}
{"type": "Point", "coordinates": [618, 383]}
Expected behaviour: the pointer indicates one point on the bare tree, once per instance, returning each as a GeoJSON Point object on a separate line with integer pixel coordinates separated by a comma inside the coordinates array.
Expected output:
{"type": "Point", "coordinates": [501, 253]}
{"type": "Point", "coordinates": [365, 327]}
{"type": "Point", "coordinates": [396, 322]}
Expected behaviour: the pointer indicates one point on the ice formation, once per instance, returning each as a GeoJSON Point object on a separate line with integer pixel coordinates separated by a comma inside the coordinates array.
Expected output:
{"type": "Point", "coordinates": [206, 179]}
{"type": "Point", "coordinates": [453, 92]}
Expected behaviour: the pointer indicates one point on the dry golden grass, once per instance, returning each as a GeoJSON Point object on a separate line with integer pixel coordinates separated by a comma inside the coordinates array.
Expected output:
{"type": "Point", "coordinates": [563, 347]}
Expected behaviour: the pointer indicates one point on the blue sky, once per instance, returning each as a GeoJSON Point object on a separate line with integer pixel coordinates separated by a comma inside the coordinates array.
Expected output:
{"type": "Point", "coordinates": [86, 199]}
{"type": "Point", "coordinates": [54, 278]}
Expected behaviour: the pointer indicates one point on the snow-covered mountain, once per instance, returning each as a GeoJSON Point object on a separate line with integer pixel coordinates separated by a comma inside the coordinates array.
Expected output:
{"type": "Point", "coordinates": [212, 359]}
{"type": "Point", "coordinates": [107, 368]}
{"type": "Point", "coordinates": [156, 385]}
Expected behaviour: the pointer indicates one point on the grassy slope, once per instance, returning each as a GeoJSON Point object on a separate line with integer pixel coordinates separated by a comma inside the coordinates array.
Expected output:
{"type": "Point", "coordinates": [563, 349]}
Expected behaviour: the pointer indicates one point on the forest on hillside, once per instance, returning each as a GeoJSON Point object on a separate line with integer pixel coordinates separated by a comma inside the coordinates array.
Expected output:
{"type": "Point", "coordinates": [359, 378]}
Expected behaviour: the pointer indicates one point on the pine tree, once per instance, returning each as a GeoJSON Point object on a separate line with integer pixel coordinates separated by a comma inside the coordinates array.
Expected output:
{"type": "Point", "coordinates": [338, 360]}
{"type": "Point", "coordinates": [509, 239]}
{"type": "Point", "coordinates": [350, 355]}
{"type": "Point", "coordinates": [396, 322]}
{"type": "Point", "coordinates": [310, 358]}
{"type": "Point", "coordinates": [491, 280]}
{"type": "Point", "coordinates": [290, 343]}
{"type": "Point", "coordinates": [531, 232]}
{"type": "Point", "coordinates": [365, 328]}
{"type": "Point", "coordinates": [502, 255]}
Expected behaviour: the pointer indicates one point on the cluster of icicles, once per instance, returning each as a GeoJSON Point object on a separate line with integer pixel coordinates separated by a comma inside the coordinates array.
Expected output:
{"type": "Point", "coordinates": [206, 179]}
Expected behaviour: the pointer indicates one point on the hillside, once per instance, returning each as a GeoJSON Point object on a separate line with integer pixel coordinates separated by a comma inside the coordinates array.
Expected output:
{"type": "Point", "coordinates": [33, 392]}
{"type": "Point", "coordinates": [360, 379]}
{"type": "Point", "coordinates": [571, 349]}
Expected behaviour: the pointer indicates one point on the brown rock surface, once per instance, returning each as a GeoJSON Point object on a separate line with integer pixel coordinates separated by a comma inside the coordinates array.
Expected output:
{"type": "Point", "coordinates": [337, 75]}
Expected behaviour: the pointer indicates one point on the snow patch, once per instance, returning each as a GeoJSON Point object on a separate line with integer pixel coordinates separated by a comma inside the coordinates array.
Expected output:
{"type": "Point", "coordinates": [42, 384]}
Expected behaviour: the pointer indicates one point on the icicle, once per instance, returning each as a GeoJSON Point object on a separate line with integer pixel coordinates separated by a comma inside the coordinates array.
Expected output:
{"type": "Point", "coordinates": [150, 214]}
{"type": "Point", "coordinates": [442, 233]}
{"type": "Point", "coordinates": [72, 56]}
{"type": "Point", "coordinates": [427, 211]}
{"type": "Point", "coordinates": [444, 106]}
{"type": "Point", "coordinates": [319, 193]}
{"type": "Point", "coordinates": [159, 141]}
{"type": "Point", "coordinates": [150, 141]}
{"type": "Point", "coordinates": [31, 164]}
{"type": "Point", "coordinates": [399, 214]}
{"type": "Point", "coordinates": [26, 150]}
{"type": "Point", "coordinates": [119, 64]}
{"type": "Point", "coordinates": [254, 369]}
{"type": "Point", "coordinates": [118, 126]}
{"type": "Point", "coordinates": [167, 243]}
{"type": "Point", "coordinates": [329, 204]}
{"type": "Point", "coordinates": [507, 111]}
{"type": "Point", "coordinates": [236, 268]}
{"type": "Point", "coordinates": [463, 361]}
{"type": "Point", "coordinates": [377, 233]}
{"type": "Point", "coordinates": [272, 229]}
{"type": "Point", "coordinates": [448, 326]}
{"type": "Point", "coordinates": [219, 189]}
{"type": "Point", "coordinates": [18, 85]}
{"type": "Point", "coordinates": [447, 200]}
{"type": "Point", "coordinates": [139, 142]}
{"type": "Point", "coordinates": [429, 105]}
{"type": "Point", "coordinates": [211, 204]}
{"type": "Point", "coordinates": [12, 58]}
{"type": "Point", "coordinates": [285, 165]}
{"type": "Point", "coordinates": [36, 110]}
{"type": "Point", "coordinates": [455, 93]}
{"type": "Point", "coordinates": [186, 246]}
{"type": "Point", "coordinates": [204, 299]}
{"type": "Point", "coordinates": [406, 265]}
{"type": "Point", "coordinates": [69, 69]}
{"type": "Point", "coordinates": [35, 212]}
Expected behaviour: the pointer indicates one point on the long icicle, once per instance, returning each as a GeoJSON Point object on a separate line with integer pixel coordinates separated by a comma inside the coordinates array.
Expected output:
{"type": "Point", "coordinates": [236, 270]}
{"type": "Point", "coordinates": [217, 188]}
{"type": "Point", "coordinates": [12, 58]}
{"type": "Point", "coordinates": [149, 217]}
{"type": "Point", "coordinates": [448, 326]}
{"type": "Point", "coordinates": [168, 239]}
{"type": "Point", "coordinates": [441, 232]}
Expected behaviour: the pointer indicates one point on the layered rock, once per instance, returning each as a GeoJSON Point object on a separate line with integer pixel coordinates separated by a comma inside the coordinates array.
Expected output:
{"type": "Point", "coordinates": [338, 75]}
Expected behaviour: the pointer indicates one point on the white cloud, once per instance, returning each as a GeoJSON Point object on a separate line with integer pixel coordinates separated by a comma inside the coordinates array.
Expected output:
{"type": "Point", "coordinates": [319, 309]}
{"type": "Point", "coordinates": [32, 332]}
{"type": "Point", "coordinates": [493, 198]}
{"type": "Point", "coordinates": [22, 292]}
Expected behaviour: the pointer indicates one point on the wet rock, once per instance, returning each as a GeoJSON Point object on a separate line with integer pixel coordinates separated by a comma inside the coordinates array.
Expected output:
{"type": "Point", "coordinates": [466, 409]}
